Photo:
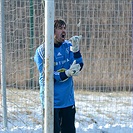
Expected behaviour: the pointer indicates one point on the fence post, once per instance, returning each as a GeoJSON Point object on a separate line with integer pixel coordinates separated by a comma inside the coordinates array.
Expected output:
{"type": "Point", "coordinates": [3, 66]}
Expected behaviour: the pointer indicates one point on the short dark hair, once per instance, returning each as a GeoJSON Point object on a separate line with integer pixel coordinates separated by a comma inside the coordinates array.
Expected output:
{"type": "Point", "coordinates": [59, 23]}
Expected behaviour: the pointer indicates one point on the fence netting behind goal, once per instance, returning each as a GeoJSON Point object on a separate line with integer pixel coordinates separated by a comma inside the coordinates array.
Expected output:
{"type": "Point", "coordinates": [103, 88]}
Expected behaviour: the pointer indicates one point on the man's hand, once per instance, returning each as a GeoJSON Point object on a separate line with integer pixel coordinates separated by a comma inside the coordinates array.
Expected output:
{"type": "Point", "coordinates": [73, 70]}
{"type": "Point", "coordinates": [75, 40]}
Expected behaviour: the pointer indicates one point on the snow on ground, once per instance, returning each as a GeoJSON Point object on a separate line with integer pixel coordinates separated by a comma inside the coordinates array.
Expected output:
{"type": "Point", "coordinates": [95, 113]}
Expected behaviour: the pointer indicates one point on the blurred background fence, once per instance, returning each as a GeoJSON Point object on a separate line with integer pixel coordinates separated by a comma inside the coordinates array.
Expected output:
{"type": "Point", "coordinates": [106, 27]}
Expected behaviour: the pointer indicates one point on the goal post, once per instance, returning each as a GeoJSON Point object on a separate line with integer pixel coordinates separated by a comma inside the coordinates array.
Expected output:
{"type": "Point", "coordinates": [49, 65]}
{"type": "Point", "coordinates": [3, 64]}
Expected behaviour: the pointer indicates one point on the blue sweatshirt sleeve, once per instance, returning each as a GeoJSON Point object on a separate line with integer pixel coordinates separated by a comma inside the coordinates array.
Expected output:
{"type": "Point", "coordinates": [39, 58]}
{"type": "Point", "coordinates": [79, 59]}
{"type": "Point", "coordinates": [59, 76]}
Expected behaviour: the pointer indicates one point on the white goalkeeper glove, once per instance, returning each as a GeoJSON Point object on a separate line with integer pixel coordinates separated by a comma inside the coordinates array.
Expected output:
{"type": "Point", "coordinates": [73, 70]}
{"type": "Point", "coordinates": [75, 40]}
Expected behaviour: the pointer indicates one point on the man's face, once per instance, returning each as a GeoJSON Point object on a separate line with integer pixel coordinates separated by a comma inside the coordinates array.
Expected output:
{"type": "Point", "coordinates": [60, 34]}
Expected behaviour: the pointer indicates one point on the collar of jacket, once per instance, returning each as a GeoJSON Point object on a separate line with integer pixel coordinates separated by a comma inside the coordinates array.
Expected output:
{"type": "Point", "coordinates": [57, 45]}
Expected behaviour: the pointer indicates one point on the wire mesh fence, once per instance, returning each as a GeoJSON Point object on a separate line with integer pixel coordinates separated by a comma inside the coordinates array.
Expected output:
{"type": "Point", "coordinates": [106, 27]}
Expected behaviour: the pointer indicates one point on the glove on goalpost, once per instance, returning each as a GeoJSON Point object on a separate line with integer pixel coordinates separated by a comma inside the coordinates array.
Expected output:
{"type": "Point", "coordinates": [73, 70]}
{"type": "Point", "coordinates": [75, 40]}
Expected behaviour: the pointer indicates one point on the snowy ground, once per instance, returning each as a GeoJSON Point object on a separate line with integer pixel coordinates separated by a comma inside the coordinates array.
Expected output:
{"type": "Point", "coordinates": [95, 112]}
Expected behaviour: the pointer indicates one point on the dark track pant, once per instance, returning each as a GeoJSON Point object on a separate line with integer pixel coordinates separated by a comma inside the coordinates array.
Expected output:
{"type": "Point", "coordinates": [64, 120]}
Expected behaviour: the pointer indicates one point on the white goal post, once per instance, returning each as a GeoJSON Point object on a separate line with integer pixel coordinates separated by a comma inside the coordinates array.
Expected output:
{"type": "Point", "coordinates": [49, 66]}
{"type": "Point", "coordinates": [3, 64]}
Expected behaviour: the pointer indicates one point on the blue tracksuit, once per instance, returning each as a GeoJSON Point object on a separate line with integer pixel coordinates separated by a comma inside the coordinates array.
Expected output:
{"type": "Point", "coordinates": [63, 86]}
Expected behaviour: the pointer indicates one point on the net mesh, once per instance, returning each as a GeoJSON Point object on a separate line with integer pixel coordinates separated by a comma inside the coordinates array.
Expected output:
{"type": "Point", "coordinates": [103, 88]}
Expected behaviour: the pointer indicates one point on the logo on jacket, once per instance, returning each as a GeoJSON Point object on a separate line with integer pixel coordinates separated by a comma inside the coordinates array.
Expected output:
{"type": "Point", "coordinates": [59, 54]}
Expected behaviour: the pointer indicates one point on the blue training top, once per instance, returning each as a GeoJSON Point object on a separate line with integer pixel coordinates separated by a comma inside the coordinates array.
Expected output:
{"type": "Point", "coordinates": [63, 86]}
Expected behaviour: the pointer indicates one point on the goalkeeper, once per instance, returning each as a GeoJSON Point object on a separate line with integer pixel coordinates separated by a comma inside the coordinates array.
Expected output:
{"type": "Point", "coordinates": [67, 63]}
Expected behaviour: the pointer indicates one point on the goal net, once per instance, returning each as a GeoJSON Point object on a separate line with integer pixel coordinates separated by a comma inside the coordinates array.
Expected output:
{"type": "Point", "coordinates": [102, 90]}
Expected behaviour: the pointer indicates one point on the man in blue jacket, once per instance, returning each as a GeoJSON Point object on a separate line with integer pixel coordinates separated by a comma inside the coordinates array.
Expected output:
{"type": "Point", "coordinates": [67, 63]}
